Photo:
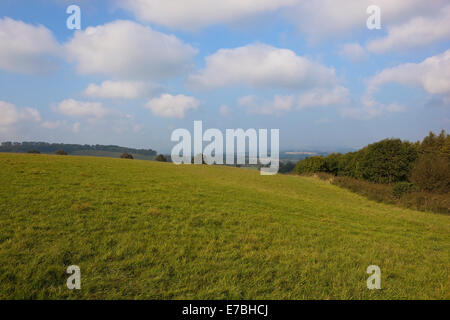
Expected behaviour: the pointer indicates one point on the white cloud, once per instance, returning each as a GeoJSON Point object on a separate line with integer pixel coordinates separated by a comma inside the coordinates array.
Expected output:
{"type": "Point", "coordinates": [194, 14]}
{"type": "Point", "coordinates": [278, 105]}
{"type": "Point", "coordinates": [432, 74]}
{"type": "Point", "coordinates": [353, 51]}
{"type": "Point", "coordinates": [25, 48]}
{"type": "Point", "coordinates": [12, 117]}
{"type": "Point", "coordinates": [322, 18]}
{"type": "Point", "coordinates": [170, 106]}
{"type": "Point", "coordinates": [120, 90]}
{"type": "Point", "coordinates": [324, 97]}
{"type": "Point", "coordinates": [418, 32]}
{"type": "Point", "coordinates": [125, 49]}
{"type": "Point", "coordinates": [79, 109]}
{"type": "Point", "coordinates": [261, 66]}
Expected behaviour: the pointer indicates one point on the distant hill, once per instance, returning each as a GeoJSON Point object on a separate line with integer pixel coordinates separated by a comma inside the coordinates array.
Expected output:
{"type": "Point", "coordinates": [77, 149]}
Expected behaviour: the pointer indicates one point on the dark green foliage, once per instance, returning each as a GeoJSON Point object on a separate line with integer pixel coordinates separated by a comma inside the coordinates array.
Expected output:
{"type": "Point", "coordinates": [33, 151]}
{"type": "Point", "coordinates": [332, 163]}
{"type": "Point", "coordinates": [431, 172]}
{"type": "Point", "coordinates": [61, 153]}
{"type": "Point", "coordinates": [387, 161]}
{"type": "Point", "coordinates": [401, 188]}
{"type": "Point", "coordinates": [311, 165]}
{"type": "Point", "coordinates": [161, 158]}
{"type": "Point", "coordinates": [126, 156]}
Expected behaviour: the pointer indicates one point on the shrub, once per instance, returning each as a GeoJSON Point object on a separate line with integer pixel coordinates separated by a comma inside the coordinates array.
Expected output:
{"type": "Point", "coordinates": [61, 153]}
{"type": "Point", "coordinates": [401, 188]}
{"type": "Point", "coordinates": [311, 165]}
{"type": "Point", "coordinates": [373, 191]}
{"type": "Point", "coordinates": [34, 151]}
{"type": "Point", "coordinates": [161, 158]}
{"type": "Point", "coordinates": [425, 201]}
{"type": "Point", "coordinates": [126, 156]}
{"type": "Point", "coordinates": [431, 173]}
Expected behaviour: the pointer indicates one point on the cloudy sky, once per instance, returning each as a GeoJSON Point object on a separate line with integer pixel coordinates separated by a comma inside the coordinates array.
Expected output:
{"type": "Point", "coordinates": [138, 69]}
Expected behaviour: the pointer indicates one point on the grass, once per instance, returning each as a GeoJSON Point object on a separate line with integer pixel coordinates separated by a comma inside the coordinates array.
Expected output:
{"type": "Point", "coordinates": [149, 230]}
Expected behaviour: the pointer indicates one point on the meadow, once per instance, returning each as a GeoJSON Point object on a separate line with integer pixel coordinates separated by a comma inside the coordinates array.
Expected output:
{"type": "Point", "coordinates": [151, 230]}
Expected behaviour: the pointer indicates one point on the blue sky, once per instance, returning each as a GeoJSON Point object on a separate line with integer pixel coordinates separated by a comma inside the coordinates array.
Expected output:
{"type": "Point", "coordinates": [138, 69]}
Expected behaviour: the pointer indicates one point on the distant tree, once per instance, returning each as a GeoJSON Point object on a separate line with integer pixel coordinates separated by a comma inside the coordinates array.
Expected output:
{"type": "Point", "coordinates": [126, 156]}
{"type": "Point", "coordinates": [61, 153]}
{"type": "Point", "coordinates": [33, 151]}
{"type": "Point", "coordinates": [161, 158]}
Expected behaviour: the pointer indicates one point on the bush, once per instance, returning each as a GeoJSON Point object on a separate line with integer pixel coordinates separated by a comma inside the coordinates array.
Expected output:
{"type": "Point", "coordinates": [400, 188]}
{"type": "Point", "coordinates": [34, 151]}
{"type": "Point", "coordinates": [425, 201]}
{"type": "Point", "coordinates": [431, 173]}
{"type": "Point", "coordinates": [422, 201]}
{"type": "Point", "coordinates": [373, 191]}
{"type": "Point", "coordinates": [161, 158]}
{"type": "Point", "coordinates": [126, 156]}
{"type": "Point", "coordinates": [61, 153]}
{"type": "Point", "coordinates": [311, 165]}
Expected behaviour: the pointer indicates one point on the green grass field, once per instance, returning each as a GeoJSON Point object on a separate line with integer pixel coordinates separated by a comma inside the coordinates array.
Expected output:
{"type": "Point", "coordinates": [148, 230]}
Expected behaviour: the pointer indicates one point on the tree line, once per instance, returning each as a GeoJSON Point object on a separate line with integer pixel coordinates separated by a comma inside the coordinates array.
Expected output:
{"type": "Point", "coordinates": [423, 166]}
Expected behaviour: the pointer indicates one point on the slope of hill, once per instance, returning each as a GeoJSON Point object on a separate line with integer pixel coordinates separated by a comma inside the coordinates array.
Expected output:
{"type": "Point", "coordinates": [140, 229]}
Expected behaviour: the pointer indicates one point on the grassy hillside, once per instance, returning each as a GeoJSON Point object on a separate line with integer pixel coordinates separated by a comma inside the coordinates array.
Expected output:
{"type": "Point", "coordinates": [141, 229]}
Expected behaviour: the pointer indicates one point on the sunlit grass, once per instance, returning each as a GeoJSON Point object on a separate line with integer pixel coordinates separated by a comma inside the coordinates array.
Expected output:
{"type": "Point", "coordinates": [141, 229]}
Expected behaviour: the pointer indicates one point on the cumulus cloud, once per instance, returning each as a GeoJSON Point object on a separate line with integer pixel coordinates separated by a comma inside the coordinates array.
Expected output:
{"type": "Point", "coordinates": [79, 109]}
{"type": "Point", "coordinates": [194, 14]}
{"type": "Point", "coordinates": [432, 74]}
{"type": "Point", "coordinates": [322, 18]}
{"type": "Point", "coordinates": [120, 90]}
{"type": "Point", "coordinates": [261, 66]}
{"type": "Point", "coordinates": [170, 106]}
{"type": "Point", "coordinates": [418, 32]}
{"type": "Point", "coordinates": [353, 52]}
{"type": "Point", "coordinates": [12, 116]}
{"type": "Point", "coordinates": [127, 50]}
{"type": "Point", "coordinates": [28, 49]}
